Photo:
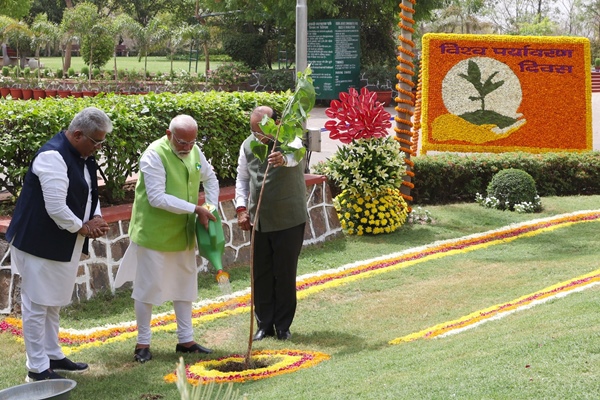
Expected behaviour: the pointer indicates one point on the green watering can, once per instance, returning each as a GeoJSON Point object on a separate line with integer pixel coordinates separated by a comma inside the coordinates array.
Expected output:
{"type": "Point", "coordinates": [211, 243]}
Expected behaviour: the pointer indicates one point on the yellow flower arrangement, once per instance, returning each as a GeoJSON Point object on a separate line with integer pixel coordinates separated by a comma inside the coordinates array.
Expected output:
{"type": "Point", "coordinates": [499, 93]}
{"type": "Point", "coordinates": [382, 212]}
{"type": "Point", "coordinates": [282, 362]}
{"type": "Point", "coordinates": [369, 168]}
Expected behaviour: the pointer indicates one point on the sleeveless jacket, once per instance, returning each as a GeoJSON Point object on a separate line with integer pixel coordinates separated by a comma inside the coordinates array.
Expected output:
{"type": "Point", "coordinates": [31, 229]}
{"type": "Point", "coordinates": [158, 229]}
{"type": "Point", "coordinates": [283, 204]}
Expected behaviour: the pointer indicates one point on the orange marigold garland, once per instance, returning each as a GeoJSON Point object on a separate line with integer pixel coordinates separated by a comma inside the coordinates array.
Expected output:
{"type": "Point", "coordinates": [416, 127]}
{"type": "Point", "coordinates": [406, 72]}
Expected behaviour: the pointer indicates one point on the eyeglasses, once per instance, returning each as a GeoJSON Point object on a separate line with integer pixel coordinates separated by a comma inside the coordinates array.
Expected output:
{"type": "Point", "coordinates": [96, 142]}
{"type": "Point", "coordinates": [261, 136]}
{"type": "Point", "coordinates": [183, 142]}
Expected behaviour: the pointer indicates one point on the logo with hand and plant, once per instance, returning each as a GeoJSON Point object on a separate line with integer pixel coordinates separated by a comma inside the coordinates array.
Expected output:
{"type": "Point", "coordinates": [482, 96]}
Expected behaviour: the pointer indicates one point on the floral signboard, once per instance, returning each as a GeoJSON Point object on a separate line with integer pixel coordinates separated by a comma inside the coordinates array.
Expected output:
{"type": "Point", "coordinates": [497, 93]}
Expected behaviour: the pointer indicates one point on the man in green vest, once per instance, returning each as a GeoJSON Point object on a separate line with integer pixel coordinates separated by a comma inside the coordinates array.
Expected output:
{"type": "Point", "coordinates": [279, 229]}
{"type": "Point", "coordinates": [161, 257]}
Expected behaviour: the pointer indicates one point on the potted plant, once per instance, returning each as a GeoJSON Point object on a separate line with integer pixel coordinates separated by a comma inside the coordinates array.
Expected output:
{"type": "Point", "coordinates": [381, 80]}
{"type": "Point", "coordinates": [27, 87]}
{"type": "Point", "coordinates": [51, 88]}
{"type": "Point", "coordinates": [5, 84]}
{"type": "Point", "coordinates": [16, 92]}
{"type": "Point", "coordinates": [597, 64]}
{"type": "Point", "coordinates": [63, 90]}
{"type": "Point", "coordinates": [39, 90]}
{"type": "Point", "coordinates": [78, 87]}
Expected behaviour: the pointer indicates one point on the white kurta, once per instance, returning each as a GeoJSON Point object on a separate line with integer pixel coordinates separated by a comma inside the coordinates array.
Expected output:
{"type": "Point", "coordinates": [161, 276]}
{"type": "Point", "coordinates": [49, 282]}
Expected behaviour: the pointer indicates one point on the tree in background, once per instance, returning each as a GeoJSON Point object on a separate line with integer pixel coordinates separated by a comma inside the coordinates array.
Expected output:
{"type": "Point", "coordinates": [198, 35]}
{"type": "Point", "coordinates": [591, 11]}
{"type": "Point", "coordinates": [85, 23]}
{"type": "Point", "coordinates": [461, 16]}
{"type": "Point", "coordinates": [68, 27]}
{"type": "Point", "coordinates": [510, 15]}
{"type": "Point", "coordinates": [97, 45]}
{"type": "Point", "coordinates": [545, 27]}
{"type": "Point", "coordinates": [5, 22]}
{"type": "Point", "coordinates": [274, 20]}
{"type": "Point", "coordinates": [144, 11]}
{"type": "Point", "coordinates": [119, 26]}
{"type": "Point", "coordinates": [246, 44]}
{"type": "Point", "coordinates": [16, 9]}
{"type": "Point", "coordinates": [148, 38]}
{"type": "Point", "coordinates": [44, 32]}
{"type": "Point", "coordinates": [176, 35]}
{"type": "Point", "coordinates": [18, 36]}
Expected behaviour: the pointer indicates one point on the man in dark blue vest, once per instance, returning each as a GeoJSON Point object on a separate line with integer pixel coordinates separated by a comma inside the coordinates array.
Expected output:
{"type": "Point", "coordinates": [279, 232]}
{"type": "Point", "coordinates": [56, 214]}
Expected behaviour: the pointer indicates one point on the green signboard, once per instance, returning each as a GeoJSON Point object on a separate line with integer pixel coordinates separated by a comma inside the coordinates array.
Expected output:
{"type": "Point", "coordinates": [334, 56]}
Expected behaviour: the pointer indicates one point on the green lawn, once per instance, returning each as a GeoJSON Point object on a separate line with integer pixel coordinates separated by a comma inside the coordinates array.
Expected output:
{"type": "Point", "coordinates": [549, 351]}
{"type": "Point", "coordinates": [155, 64]}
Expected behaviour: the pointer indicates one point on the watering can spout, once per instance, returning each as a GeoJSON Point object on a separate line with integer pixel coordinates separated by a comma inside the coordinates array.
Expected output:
{"type": "Point", "coordinates": [211, 241]}
{"type": "Point", "coordinates": [211, 245]}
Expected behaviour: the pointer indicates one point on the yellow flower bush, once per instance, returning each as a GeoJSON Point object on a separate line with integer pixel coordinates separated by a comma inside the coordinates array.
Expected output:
{"type": "Point", "coordinates": [360, 214]}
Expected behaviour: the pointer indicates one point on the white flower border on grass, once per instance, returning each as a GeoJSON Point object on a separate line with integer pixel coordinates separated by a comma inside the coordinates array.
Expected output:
{"type": "Point", "coordinates": [394, 263]}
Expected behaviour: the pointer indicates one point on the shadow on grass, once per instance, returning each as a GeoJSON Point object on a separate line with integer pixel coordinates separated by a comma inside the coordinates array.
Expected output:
{"type": "Point", "coordinates": [347, 343]}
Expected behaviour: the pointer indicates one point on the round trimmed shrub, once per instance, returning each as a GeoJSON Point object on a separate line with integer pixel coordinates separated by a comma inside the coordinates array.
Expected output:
{"type": "Point", "coordinates": [512, 187]}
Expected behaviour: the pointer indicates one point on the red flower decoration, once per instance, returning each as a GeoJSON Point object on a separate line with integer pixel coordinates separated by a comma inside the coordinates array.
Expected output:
{"type": "Point", "coordinates": [360, 116]}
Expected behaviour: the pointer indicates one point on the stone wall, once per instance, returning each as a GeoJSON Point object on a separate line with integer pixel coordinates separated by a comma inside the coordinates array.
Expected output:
{"type": "Point", "coordinates": [97, 272]}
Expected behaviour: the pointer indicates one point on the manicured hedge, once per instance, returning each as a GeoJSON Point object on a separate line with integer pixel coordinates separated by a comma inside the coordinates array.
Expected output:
{"type": "Point", "coordinates": [450, 178]}
{"type": "Point", "coordinates": [223, 124]}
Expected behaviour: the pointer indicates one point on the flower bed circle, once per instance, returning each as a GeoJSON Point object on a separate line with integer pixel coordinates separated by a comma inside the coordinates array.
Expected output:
{"type": "Point", "coordinates": [267, 363]}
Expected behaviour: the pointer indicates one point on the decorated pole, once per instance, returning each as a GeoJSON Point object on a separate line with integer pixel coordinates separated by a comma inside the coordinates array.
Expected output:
{"type": "Point", "coordinates": [406, 99]}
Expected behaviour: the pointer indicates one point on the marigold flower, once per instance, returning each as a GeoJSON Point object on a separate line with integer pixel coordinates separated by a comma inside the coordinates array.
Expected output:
{"type": "Point", "coordinates": [391, 213]}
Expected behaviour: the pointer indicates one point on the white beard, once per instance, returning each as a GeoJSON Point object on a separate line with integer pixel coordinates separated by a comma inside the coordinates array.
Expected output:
{"type": "Point", "coordinates": [179, 154]}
